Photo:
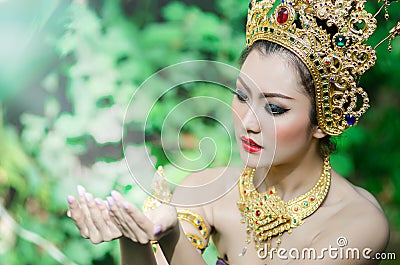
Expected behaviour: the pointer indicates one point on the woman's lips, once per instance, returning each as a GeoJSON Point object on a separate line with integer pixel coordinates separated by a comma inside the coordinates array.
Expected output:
{"type": "Point", "coordinates": [250, 146]}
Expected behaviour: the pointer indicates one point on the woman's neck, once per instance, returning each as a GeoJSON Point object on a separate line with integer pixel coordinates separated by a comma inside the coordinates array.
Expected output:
{"type": "Point", "coordinates": [290, 179]}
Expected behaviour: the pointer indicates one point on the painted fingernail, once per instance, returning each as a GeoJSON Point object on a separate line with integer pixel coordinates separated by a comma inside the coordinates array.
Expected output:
{"type": "Point", "coordinates": [98, 201]}
{"type": "Point", "coordinates": [110, 201]}
{"type": "Point", "coordinates": [81, 190]}
{"type": "Point", "coordinates": [88, 197]}
{"type": "Point", "coordinates": [157, 229]}
{"type": "Point", "coordinates": [125, 205]}
{"type": "Point", "coordinates": [114, 194]}
{"type": "Point", "coordinates": [70, 199]}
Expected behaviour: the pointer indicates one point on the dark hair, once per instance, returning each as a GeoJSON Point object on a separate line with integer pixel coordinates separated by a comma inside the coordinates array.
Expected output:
{"type": "Point", "coordinates": [326, 146]}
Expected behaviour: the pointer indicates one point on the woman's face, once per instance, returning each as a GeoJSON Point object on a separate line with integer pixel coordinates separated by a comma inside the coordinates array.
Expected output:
{"type": "Point", "coordinates": [272, 125]}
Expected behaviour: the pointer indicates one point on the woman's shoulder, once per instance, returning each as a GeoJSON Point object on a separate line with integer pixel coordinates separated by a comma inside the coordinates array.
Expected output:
{"type": "Point", "coordinates": [209, 186]}
{"type": "Point", "coordinates": [209, 175]}
{"type": "Point", "coordinates": [355, 215]}
{"type": "Point", "coordinates": [354, 198]}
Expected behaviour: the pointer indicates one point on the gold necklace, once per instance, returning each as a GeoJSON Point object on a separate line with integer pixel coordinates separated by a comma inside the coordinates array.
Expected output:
{"type": "Point", "coordinates": [267, 215]}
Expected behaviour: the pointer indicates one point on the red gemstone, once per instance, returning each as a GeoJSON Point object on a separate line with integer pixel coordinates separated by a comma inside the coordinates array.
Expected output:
{"type": "Point", "coordinates": [271, 192]}
{"type": "Point", "coordinates": [258, 213]}
{"type": "Point", "coordinates": [261, 203]}
{"type": "Point", "coordinates": [296, 209]}
{"type": "Point", "coordinates": [312, 199]}
{"type": "Point", "coordinates": [283, 15]}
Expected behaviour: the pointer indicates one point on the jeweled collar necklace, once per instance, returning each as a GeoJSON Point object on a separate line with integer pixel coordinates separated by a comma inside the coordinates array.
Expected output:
{"type": "Point", "coordinates": [267, 216]}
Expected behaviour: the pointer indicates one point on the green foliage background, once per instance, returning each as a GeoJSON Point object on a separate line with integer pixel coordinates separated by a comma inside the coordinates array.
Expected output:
{"type": "Point", "coordinates": [67, 72]}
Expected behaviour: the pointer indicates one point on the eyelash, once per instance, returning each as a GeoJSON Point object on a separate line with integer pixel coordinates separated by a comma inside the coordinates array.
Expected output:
{"type": "Point", "coordinates": [278, 109]}
{"type": "Point", "coordinates": [270, 108]}
{"type": "Point", "coordinates": [241, 95]}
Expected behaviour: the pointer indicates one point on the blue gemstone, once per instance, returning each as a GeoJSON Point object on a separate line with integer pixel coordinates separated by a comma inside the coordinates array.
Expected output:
{"type": "Point", "coordinates": [350, 119]}
{"type": "Point", "coordinates": [332, 79]}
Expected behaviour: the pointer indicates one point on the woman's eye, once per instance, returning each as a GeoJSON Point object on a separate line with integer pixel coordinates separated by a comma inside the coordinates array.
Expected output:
{"type": "Point", "coordinates": [241, 95]}
{"type": "Point", "coordinates": [275, 109]}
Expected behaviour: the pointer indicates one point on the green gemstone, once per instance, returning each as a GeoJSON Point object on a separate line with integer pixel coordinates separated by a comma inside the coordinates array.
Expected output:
{"type": "Point", "coordinates": [344, 29]}
{"type": "Point", "coordinates": [340, 41]}
{"type": "Point", "coordinates": [305, 203]}
{"type": "Point", "coordinates": [294, 221]}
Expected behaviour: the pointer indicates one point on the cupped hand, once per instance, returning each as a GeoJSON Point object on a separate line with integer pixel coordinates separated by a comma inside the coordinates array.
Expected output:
{"type": "Point", "coordinates": [139, 226]}
{"type": "Point", "coordinates": [92, 217]}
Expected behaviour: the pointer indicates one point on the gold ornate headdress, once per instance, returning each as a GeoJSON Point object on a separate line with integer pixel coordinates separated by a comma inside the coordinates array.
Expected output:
{"type": "Point", "coordinates": [329, 37]}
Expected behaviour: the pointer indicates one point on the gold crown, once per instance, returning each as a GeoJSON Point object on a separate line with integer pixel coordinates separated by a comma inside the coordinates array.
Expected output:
{"type": "Point", "coordinates": [329, 37]}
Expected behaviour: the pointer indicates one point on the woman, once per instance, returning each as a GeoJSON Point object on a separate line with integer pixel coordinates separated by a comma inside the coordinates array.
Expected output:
{"type": "Point", "coordinates": [295, 89]}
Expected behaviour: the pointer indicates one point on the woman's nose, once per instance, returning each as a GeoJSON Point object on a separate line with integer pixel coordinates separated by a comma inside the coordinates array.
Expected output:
{"type": "Point", "coordinates": [250, 120]}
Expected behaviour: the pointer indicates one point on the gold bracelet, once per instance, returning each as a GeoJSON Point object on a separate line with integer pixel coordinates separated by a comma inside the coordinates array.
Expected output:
{"type": "Point", "coordinates": [194, 219]}
{"type": "Point", "coordinates": [196, 241]}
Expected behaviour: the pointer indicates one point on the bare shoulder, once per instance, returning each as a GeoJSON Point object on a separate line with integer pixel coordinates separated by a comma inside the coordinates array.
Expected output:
{"type": "Point", "coordinates": [355, 215]}
{"type": "Point", "coordinates": [210, 175]}
{"type": "Point", "coordinates": [199, 191]}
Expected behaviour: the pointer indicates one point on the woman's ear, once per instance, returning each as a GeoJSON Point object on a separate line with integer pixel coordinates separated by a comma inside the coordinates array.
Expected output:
{"type": "Point", "coordinates": [318, 133]}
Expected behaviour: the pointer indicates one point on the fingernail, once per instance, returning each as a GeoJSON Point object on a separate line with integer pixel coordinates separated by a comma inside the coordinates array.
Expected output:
{"type": "Point", "coordinates": [110, 201]}
{"type": "Point", "coordinates": [88, 197]}
{"type": "Point", "coordinates": [114, 194]}
{"type": "Point", "coordinates": [98, 201]}
{"type": "Point", "coordinates": [157, 229]}
{"type": "Point", "coordinates": [69, 213]}
{"type": "Point", "coordinates": [70, 199]}
{"type": "Point", "coordinates": [81, 190]}
{"type": "Point", "coordinates": [125, 205]}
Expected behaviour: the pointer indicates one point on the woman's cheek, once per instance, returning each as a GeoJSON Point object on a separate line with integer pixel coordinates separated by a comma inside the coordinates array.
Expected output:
{"type": "Point", "coordinates": [291, 132]}
{"type": "Point", "coordinates": [238, 111]}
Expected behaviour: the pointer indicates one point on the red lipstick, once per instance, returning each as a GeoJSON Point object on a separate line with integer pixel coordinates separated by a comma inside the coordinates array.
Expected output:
{"type": "Point", "coordinates": [250, 146]}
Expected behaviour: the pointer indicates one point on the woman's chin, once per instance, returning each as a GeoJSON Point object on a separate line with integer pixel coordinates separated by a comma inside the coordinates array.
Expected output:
{"type": "Point", "coordinates": [256, 161]}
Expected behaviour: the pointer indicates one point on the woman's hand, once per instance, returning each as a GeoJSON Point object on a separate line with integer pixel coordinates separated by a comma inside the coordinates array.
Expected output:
{"type": "Point", "coordinates": [92, 217]}
{"type": "Point", "coordinates": [138, 226]}
{"type": "Point", "coordinates": [103, 221]}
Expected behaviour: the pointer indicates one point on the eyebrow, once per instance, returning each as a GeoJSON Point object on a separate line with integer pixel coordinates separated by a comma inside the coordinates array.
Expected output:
{"type": "Point", "coordinates": [276, 95]}
{"type": "Point", "coordinates": [266, 95]}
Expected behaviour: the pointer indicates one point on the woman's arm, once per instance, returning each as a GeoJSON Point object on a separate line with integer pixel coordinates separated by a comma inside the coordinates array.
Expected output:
{"type": "Point", "coordinates": [133, 253]}
{"type": "Point", "coordinates": [178, 250]}
{"type": "Point", "coordinates": [158, 224]}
